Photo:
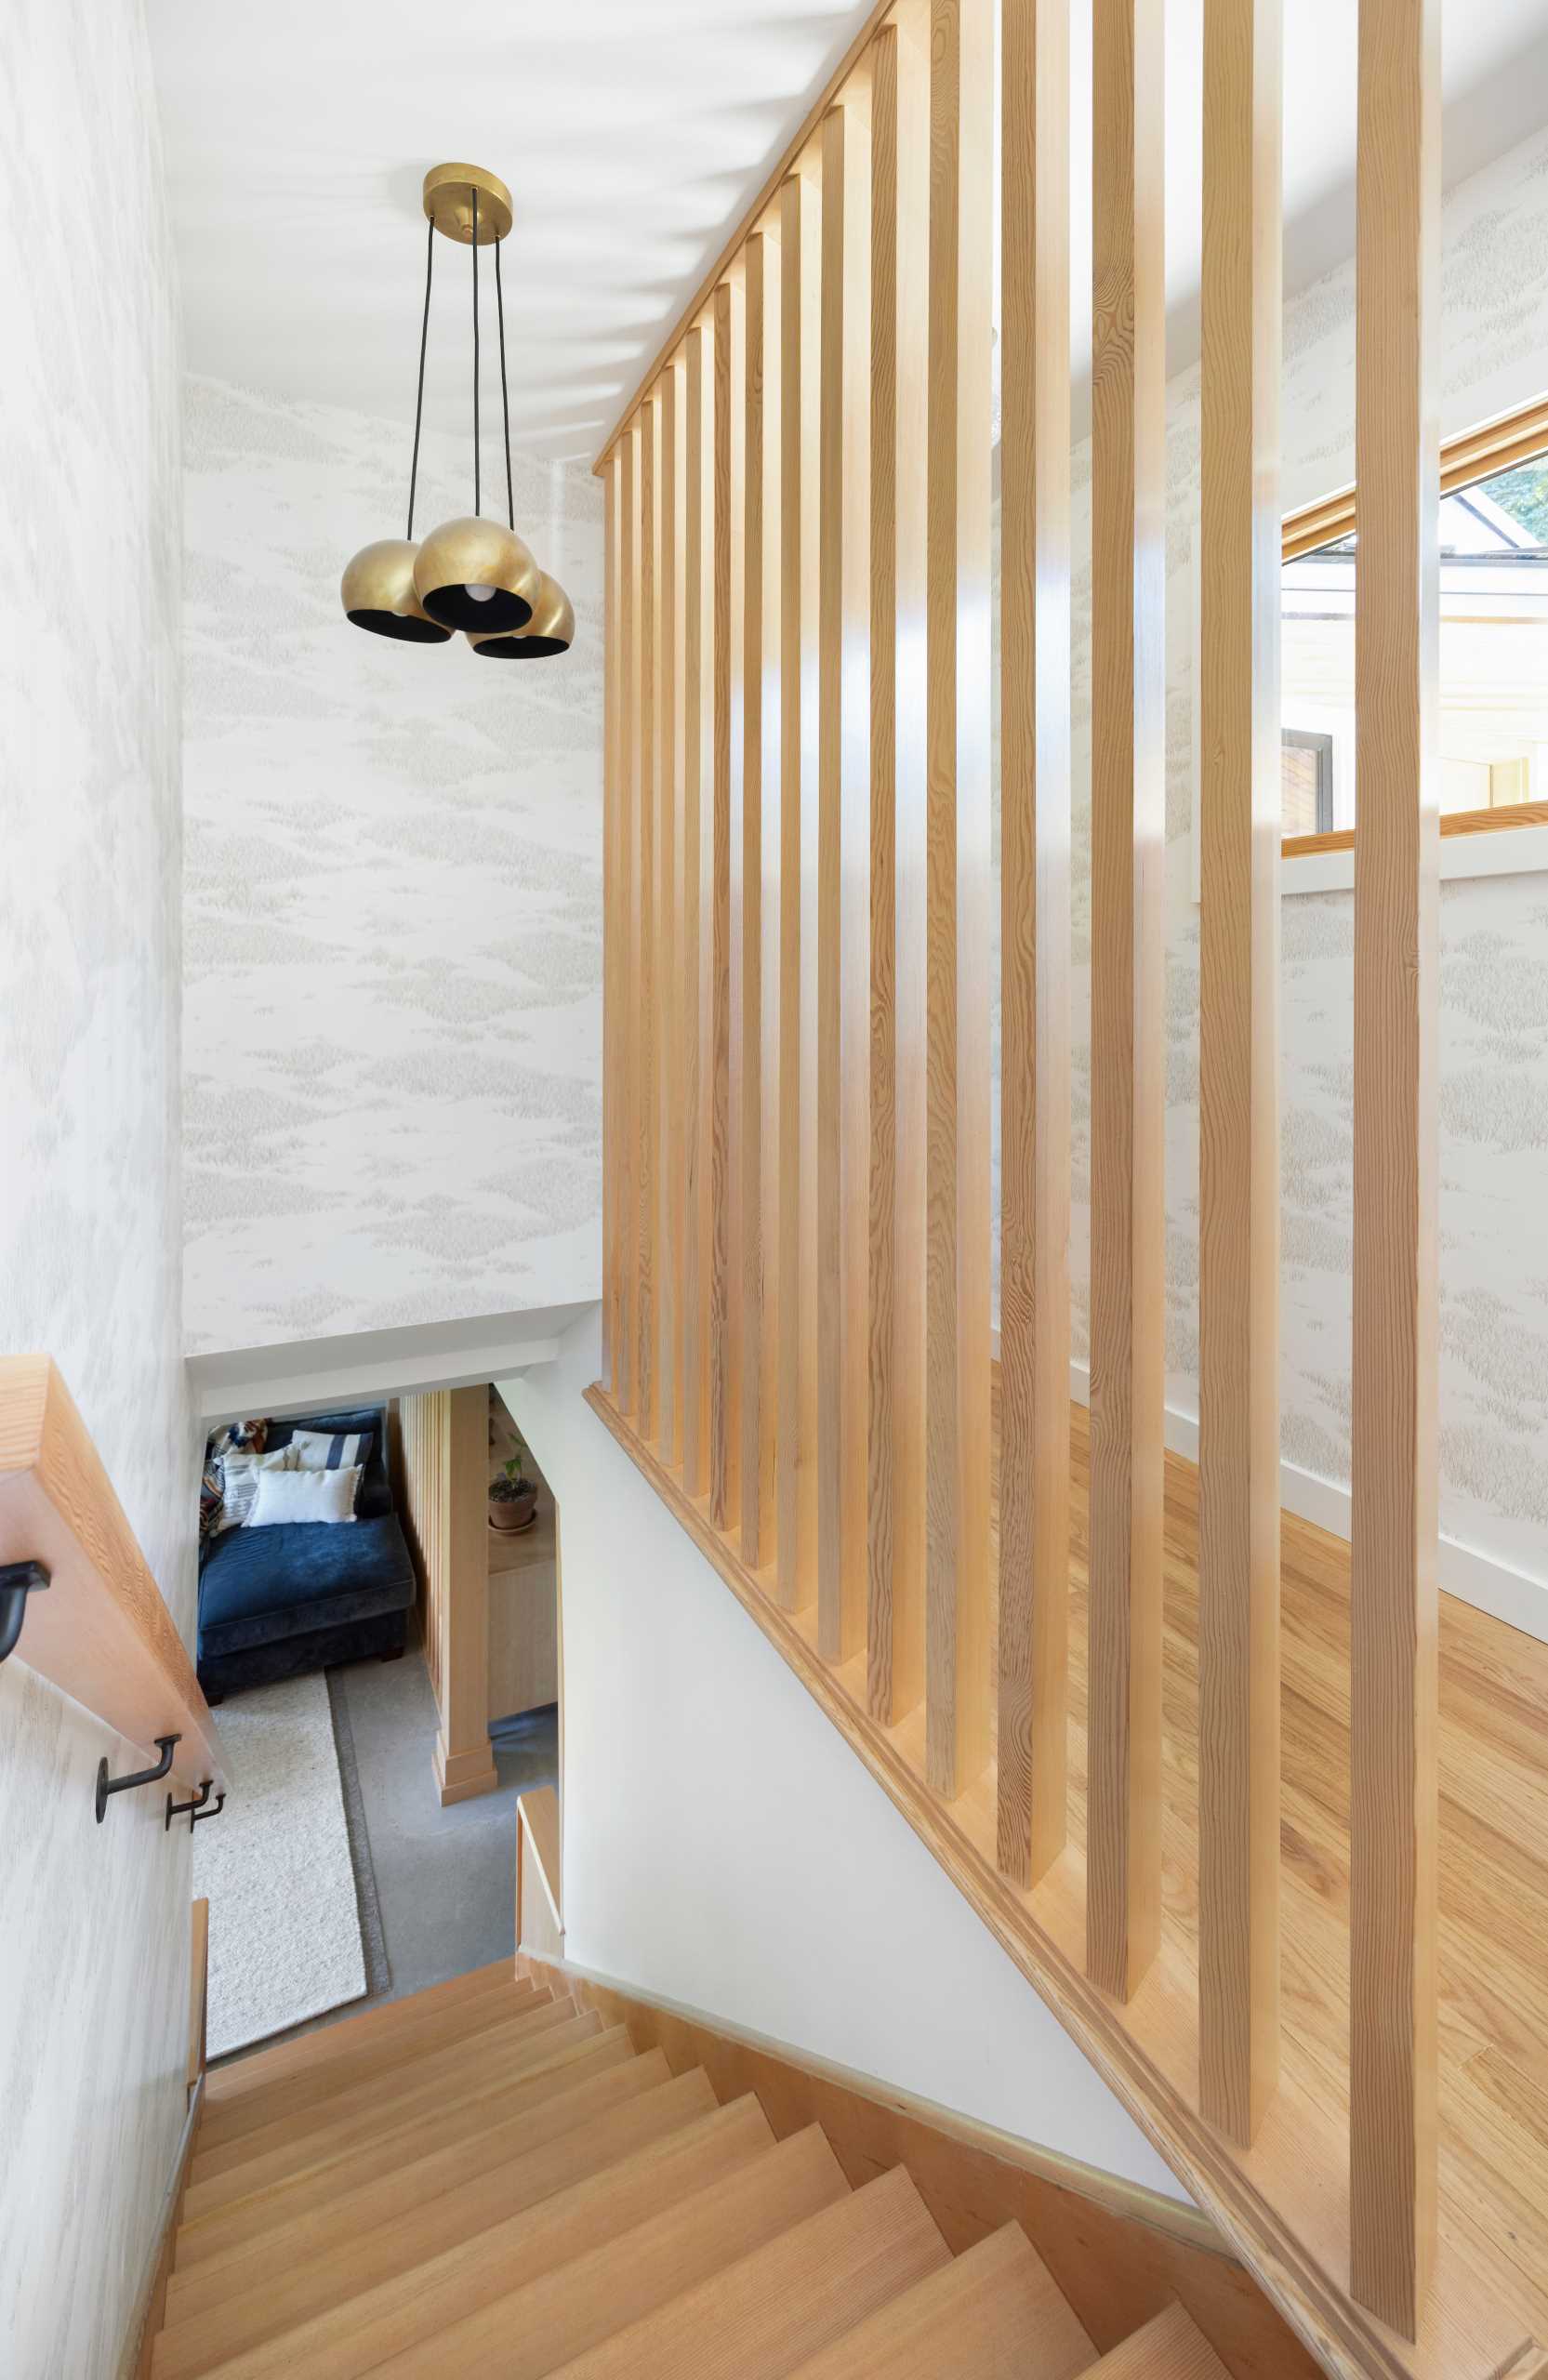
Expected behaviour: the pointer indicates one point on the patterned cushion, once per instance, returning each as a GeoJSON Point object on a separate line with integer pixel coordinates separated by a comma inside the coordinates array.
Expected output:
{"type": "Point", "coordinates": [240, 1472]}
{"type": "Point", "coordinates": [235, 1436]}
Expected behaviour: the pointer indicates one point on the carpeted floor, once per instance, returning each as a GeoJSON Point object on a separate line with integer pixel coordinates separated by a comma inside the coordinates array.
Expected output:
{"type": "Point", "coordinates": [285, 1937]}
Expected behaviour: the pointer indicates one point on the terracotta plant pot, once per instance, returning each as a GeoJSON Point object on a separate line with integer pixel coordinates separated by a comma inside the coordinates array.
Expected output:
{"type": "Point", "coordinates": [512, 1512]}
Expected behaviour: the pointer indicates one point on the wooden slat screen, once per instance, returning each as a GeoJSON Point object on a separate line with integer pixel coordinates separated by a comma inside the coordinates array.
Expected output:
{"type": "Point", "coordinates": [798, 1216]}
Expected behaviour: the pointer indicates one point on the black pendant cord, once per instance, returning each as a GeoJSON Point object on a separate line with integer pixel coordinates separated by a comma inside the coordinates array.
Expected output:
{"type": "Point", "coordinates": [505, 393]}
{"type": "Point", "coordinates": [477, 488]}
{"type": "Point", "coordinates": [419, 397]}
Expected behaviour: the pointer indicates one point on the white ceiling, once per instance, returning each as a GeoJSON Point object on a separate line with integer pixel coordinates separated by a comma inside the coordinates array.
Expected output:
{"type": "Point", "coordinates": [632, 133]}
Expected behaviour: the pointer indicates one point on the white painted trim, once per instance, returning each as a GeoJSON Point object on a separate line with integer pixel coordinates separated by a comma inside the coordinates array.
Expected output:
{"type": "Point", "coordinates": [368, 1366]}
{"type": "Point", "coordinates": [1474, 1577]}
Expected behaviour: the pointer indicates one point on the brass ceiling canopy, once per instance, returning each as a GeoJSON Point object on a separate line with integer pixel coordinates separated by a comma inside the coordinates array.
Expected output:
{"type": "Point", "coordinates": [551, 629]}
{"type": "Point", "coordinates": [470, 574]}
{"type": "Point", "coordinates": [449, 203]}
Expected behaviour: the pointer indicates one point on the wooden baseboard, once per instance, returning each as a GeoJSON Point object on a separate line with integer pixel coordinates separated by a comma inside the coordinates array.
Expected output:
{"type": "Point", "coordinates": [460, 1775]}
{"type": "Point", "coordinates": [1120, 2252]}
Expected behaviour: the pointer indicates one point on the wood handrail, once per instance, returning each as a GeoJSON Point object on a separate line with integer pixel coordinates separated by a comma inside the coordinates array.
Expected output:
{"type": "Point", "coordinates": [538, 1815]}
{"type": "Point", "coordinates": [101, 1632]}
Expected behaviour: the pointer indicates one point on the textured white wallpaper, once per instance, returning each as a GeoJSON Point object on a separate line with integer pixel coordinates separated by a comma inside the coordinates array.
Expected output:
{"type": "Point", "coordinates": [393, 1026]}
{"type": "Point", "coordinates": [1494, 963]}
{"type": "Point", "coordinates": [94, 1922]}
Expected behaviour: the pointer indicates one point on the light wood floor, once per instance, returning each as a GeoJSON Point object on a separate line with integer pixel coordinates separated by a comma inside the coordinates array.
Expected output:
{"type": "Point", "coordinates": [1493, 1845]}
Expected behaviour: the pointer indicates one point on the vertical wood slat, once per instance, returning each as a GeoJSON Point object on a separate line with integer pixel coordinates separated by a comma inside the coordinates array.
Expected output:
{"type": "Point", "coordinates": [1035, 947]}
{"type": "Point", "coordinates": [843, 1120]}
{"type": "Point", "coordinates": [899, 428]}
{"type": "Point", "coordinates": [796, 1434]}
{"type": "Point", "coordinates": [1128, 985]}
{"type": "Point", "coordinates": [697, 628]}
{"type": "Point", "coordinates": [958, 686]}
{"type": "Point", "coordinates": [723, 1435]}
{"type": "Point", "coordinates": [611, 998]}
{"type": "Point", "coordinates": [645, 990]}
{"type": "Point", "coordinates": [1240, 798]}
{"type": "Point", "coordinates": [668, 960]}
{"type": "Point", "coordinates": [629, 872]}
{"type": "Point", "coordinates": [1394, 1603]}
{"type": "Point", "coordinates": [758, 1220]}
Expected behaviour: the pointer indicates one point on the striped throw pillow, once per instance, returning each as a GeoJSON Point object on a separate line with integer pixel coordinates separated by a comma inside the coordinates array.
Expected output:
{"type": "Point", "coordinates": [323, 1451]}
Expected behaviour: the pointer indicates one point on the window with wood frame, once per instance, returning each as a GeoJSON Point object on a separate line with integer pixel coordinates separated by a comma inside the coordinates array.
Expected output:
{"type": "Point", "coordinates": [1493, 645]}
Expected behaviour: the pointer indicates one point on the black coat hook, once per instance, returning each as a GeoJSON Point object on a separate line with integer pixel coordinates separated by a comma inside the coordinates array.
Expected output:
{"type": "Point", "coordinates": [18, 1581]}
{"type": "Point", "coordinates": [195, 1809]}
{"type": "Point", "coordinates": [106, 1784]}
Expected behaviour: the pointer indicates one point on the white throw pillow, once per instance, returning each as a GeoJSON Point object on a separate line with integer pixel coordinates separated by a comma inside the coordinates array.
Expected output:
{"type": "Point", "coordinates": [286, 1496]}
{"type": "Point", "coordinates": [328, 1450]}
{"type": "Point", "coordinates": [240, 1473]}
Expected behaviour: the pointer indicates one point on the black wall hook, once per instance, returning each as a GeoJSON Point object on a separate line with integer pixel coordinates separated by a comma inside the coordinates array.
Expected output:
{"type": "Point", "coordinates": [18, 1581]}
{"type": "Point", "coordinates": [106, 1784]}
{"type": "Point", "coordinates": [195, 1809]}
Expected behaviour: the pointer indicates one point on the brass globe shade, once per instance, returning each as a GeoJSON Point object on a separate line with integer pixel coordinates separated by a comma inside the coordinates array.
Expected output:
{"type": "Point", "coordinates": [550, 630]}
{"type": "Point", "coordinates": [377, 592]}
{"type": "Point", "coordinates": [477, 576]}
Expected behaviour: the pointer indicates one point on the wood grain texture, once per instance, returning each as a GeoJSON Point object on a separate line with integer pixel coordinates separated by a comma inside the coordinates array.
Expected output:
{"type": "Point", "coordinates": [1285, 2202]}
{"type": "Point", "coordinates": [668, 900]}
{"type": "Point", "coordinates": [1515, 437]}
{"type": "Point", "coordinates": [800, 358]}
{"type": "Point", "coordinates": [1170, 2347]}
{"type": "Point", "coordinates": [842, 1033]}
{"type": "Point", "coordinates": [698, 633]}
{"type": "Point", "coordinates": [101, 1631]}
{"type": "Point", "coordinates": [1393, 1880]}
{"type": "Point", "coordinates": [647, 1021]}
{"type": "Point", "coordinates": [612, 902]}
{"type": "Point", "coordinates": [958, 697]}
{"type": "Point", "coordinates": [1031, 1740]}
{"type": "Point", "coordinates": [445, 1464]}
{"type": "Point", "coordinates": [1239, 1300]}
{"type": "Point", "coordinates": [995, 2309]}
{"type": "Point", "coordinates": [762, 2316]}
{"type": "Point", "coordinates": [723, 1428]}
{"type": "Point", "coordinates": [895, 1476]}
{"type": "Point", "coordinates": [1119, 2252]}
{"type": "Point", "coordinates": [626, 1088]}
{"type": "Point", "coordinates": [759, 1223]}
{"type": "Point", "coordinates": [1128, 1220]}
{"type": "Point", "coordinates": [198, 1994]}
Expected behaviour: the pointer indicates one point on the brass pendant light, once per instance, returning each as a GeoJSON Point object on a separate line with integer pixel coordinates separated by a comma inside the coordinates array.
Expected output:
{"type": "Point", "coordinates": [470, 574]}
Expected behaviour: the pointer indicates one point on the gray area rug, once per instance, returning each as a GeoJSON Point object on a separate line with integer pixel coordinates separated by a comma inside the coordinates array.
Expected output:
{"type": "Point", "coordinates": [285, 1939]}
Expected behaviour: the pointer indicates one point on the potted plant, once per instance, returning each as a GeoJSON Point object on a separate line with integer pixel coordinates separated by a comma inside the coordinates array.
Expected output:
{"type": "Point", "coordinates": [512, 1496]}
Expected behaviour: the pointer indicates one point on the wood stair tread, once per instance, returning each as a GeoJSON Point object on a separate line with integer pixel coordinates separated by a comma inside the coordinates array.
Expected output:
{"type": "Point", "coordinates": [545, 2323]}
{"type": "Point", "coordinates": [556, 2259]}
{"type": "Point", "coordinates": [762, 2317]}
{"type": "Point", "coordinates": [548, 2101]}
{"type": "Point", "coordinates": [393, 2054]}
{"type": "Point", "coordinates": [225, 2312]}
{"type": "Point", "coordinates": [1170, 2347]}
{"type": "Point", "coordinates": [303, 2110]}
{"type": "Point", "coordinates": [248, 2069]}
{"type": "Point", "coordinates": [993, 2313]}
{"type": "Point", "coordinates": [416, 2182]}
{"type": "Point", "coordinates": [299, 2142]}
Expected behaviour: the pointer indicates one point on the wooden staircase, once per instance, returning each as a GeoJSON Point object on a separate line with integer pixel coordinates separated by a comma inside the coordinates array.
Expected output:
{"type": "Point", "coordinates": [485, 2180]}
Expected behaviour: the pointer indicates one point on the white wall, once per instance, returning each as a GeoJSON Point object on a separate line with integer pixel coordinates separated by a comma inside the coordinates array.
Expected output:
{"type": "Point", "coordinates": [94, 1922]}
{"type": "Point", "coordinates": [725, 1848]}
{"type": "Point", "coordinates": [393, 1009]}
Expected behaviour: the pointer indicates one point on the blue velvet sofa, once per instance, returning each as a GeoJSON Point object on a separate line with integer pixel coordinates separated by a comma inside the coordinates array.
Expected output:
{"type": "Point", "coordinates": [275, 1603]}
